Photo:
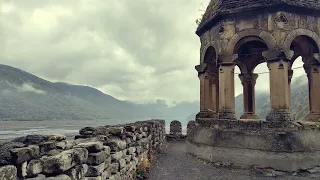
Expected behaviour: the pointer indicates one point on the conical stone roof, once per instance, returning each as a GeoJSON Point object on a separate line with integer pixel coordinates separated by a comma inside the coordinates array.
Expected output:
{"type": "Point", "coordinates": [220, 7]}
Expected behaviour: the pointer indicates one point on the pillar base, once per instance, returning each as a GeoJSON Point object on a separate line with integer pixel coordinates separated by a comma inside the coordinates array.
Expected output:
{"type": "Point", "coordinates": [249, 116]}
{"type": "Point", "coordinates": [227, 115]}
{"type": "Point", "coordinates": [206, 114]}
{"type": "Point", "coordinates": [314, 117]}
{"type": "Point", "coordinates": [283, 146]}
{"type": "Point", "coordinates": [279, 115]}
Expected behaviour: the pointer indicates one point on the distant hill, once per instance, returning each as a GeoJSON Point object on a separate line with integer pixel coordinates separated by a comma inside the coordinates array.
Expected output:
{"type": "Point", "coordinates": [24, 96]}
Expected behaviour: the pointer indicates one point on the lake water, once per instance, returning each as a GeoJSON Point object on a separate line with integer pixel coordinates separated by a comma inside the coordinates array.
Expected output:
{"type": "Point", "coordinates": [13, 129]}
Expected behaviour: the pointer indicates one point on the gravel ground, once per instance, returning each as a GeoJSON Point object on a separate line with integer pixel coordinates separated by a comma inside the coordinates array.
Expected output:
{"type": "Point", "coordinates": [175, 164]}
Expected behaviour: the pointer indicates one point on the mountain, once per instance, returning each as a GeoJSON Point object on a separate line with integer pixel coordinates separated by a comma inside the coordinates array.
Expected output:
{"type": "Point", "coordinates": [24, 96]}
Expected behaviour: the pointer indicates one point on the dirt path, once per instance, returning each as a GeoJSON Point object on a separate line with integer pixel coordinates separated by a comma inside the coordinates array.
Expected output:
{"type": "Point", "coordinates": [175, 164]}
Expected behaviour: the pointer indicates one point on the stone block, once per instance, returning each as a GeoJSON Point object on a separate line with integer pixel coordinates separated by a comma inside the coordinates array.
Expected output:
{"type": "Point", "coordinates": [107, 150]}
{"type": "Point", "coordinates": [78, 172]}
{"type": "Point", "coordinates": [64, 161]}
{"type": "Point", "coordinates": [5, 155]}
{"type": "Point", "coordinates": [46, 146]}
{"type": "Point", "coordinates": [8, 172]}
{"type": "Point", "coordinates": [116, 156]}
{"type": "Point", "coordinates": [108, 159]}
{"type": "Point", "coordinates": [96, 158]}
{"type": "Point", "coordinates": [128, 141]}
{"type": "Point", "coordinates": [34, 167]}
{"type": "Point", "coordinates": [87, 131]}
{"type": "Point", "coordinates": [130, 128]}
{"type": "Point", "coordinates": [38, 177]}
{"type": "Point", "coordinates": [139, 149]}
{"type": "Point", "coordinates": [53, 152]}
{"type": "Point", "coordinates": [105, 175]}
{"type": "Point", "coordinates": [61, 145]}
{"type": "Point", "coordinates": [32, 139]}
{"type": "Point", "coordinates": [116, 130]}
{"type": "Point", "coordinates": [94, 171]}
{"type": "Point", "coordinates": [57, 137]}
{"type": "Point", "coordinates": [115, 143]}
{"type": "Point", "coordinates": [20, 155]}
{"type": "Point", "coordinates": [131, 150]}
{"type": "Point", "coordinates": [113, 168]}
{"type": "Point", "coordinates": [127, 158]}
{"type": "Point", "coordinates": [59, 177]}
{"type": "Point", "coordinates": [139, 136]}
{"type": "Point", "coordinates": [22, 170]}
{"type": "Point", "coordinates": [92, 147]}
{"type": "Point", "coordinates": [94, 178]}
{"type": "Point", "coordinates": [122, 163]}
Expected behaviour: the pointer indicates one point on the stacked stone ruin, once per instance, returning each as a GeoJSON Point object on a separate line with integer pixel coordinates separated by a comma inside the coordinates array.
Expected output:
{"type": "Point", "coordinates": [107, 152]}
{"type": "Point", "coordinates": [191, 125]}
{"type": "Point", "coordinates": [175, 128]}
{"type": "Point", "coordinates": [175, 131]}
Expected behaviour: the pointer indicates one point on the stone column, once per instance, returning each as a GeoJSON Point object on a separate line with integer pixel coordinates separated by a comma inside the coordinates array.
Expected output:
{"type": "Point", "coordinates": [202, 90]}
{"type": "Point", "coordinates": [290, 74]}
{"type": "Point", "coordinates": [226, 91]}
{"type": "Point", "coordinates": [248, 82]}
{"type": "Point", "coordinates": [215, 93]}
{"type": "Point", "coordinates": [313, 73]}
{"type": "Point", "coordinates": [207, 93]}
{"type": "Point", "coordinates": [279, 90]}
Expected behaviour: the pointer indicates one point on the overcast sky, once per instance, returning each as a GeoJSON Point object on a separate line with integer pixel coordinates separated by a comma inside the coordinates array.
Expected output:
{"type": "Point", "coordinates": [137, 50]}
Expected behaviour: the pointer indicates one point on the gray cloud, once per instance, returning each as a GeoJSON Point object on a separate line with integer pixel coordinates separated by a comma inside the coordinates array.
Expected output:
{"type": "Point", "coordinates": [135, 50]}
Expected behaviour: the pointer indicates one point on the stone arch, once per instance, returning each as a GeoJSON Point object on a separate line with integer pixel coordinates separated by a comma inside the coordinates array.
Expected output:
{"type": "Point", "coordinates": [210, 56]}
{"type": "Point", "coordinates": [175, 128]}
{"type": "Point", "coordinates": [269, 40]}
{"type": "Point", "coordinates": [243, 68]}
{"type": "Point", "coordinates": [205, 48]}
{"type": "Point", "coordinates": [300, 32]}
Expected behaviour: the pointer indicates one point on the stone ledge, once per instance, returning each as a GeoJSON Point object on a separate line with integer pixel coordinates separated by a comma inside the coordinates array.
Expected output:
{"type": "Point", "coordinates": [273, 140]}
{"type": "Point", "coordinates": [257, 124]}
{"type": "Point", "coordinates": [290, 162]}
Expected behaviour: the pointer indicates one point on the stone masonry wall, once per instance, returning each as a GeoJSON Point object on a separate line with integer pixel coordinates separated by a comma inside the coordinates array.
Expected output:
{"type": "Point", "coordinates": [107, 152]}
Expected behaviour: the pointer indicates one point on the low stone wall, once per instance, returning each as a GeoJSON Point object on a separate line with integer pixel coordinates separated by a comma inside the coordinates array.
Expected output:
{"type": "Point", "coordinates": [284, 146]}
{"type": "Point", "coordinates": [107, 152]}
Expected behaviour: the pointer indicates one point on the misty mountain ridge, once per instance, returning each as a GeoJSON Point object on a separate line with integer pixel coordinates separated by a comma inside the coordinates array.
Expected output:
{"type": "Point", "coordinates": [24, 96]}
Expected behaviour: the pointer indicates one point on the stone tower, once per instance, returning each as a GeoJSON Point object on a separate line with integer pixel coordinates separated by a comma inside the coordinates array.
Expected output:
{"type": "Point", "coordinates": [245, 33]}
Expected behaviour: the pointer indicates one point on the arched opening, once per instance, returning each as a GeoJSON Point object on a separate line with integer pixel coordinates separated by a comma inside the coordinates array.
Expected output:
{"type": "Point", "coordinates": [304, 79]}
{"type": "Point", "coordinates": [210, 56]}
{"type": "Point", "coordinates": [209, 83]}
{"type": "Point", "coordinates": [249, 50]}
{"type": "Point", "coordinates": [299, 91]}
{"type": "Point", "coordinates": [238, 92]}
{"type": "Point", "coordinates": [262, 90]}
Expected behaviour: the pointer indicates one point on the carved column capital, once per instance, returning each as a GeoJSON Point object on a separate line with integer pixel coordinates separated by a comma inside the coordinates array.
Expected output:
{"type": "Point", "coordinates": [311, 68]}
{"type": "Point", "coordinates": [201, 68]}
{"type": "Point", "coordinates": [278, 54]}
{"type": "Point", "coordinates": [227, 58]}
{"type": "Point", "coordinates": [248, 78]}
